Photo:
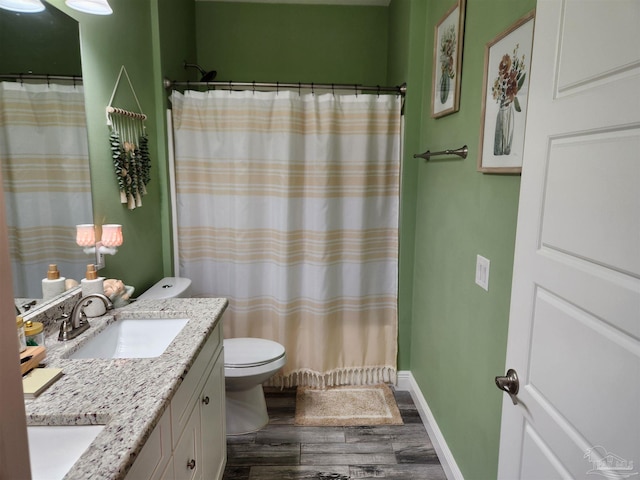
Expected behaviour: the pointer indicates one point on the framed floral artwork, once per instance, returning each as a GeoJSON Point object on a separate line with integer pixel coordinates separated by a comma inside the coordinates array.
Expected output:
{"type": "Point", "coordinates": [507, 62]}
{"type": "Point", "coordinates": [447, 61]}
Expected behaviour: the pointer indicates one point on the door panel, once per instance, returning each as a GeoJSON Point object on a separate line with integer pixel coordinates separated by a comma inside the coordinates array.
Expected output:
{"type": "Point", "coordinates": [593, 29]}
{"type": "Point", "coordinates": [538, 460]}
{"type": "Point", "coordinates": [574, 326]}
{"type": "Point", "coordinates": [579, 215]}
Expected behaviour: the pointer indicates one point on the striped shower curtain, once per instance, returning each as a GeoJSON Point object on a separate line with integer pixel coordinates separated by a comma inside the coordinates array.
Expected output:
{"type": "Point", "coordinates": [287, 205]}
{"type": "Point", "coordinates": [45, 170]}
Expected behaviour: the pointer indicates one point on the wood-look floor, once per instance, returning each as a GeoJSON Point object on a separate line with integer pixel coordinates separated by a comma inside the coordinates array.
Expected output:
{"type": "Point", "coordinates": [283, 451]}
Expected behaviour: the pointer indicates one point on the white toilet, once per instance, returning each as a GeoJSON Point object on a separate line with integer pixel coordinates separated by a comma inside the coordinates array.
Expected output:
{"type": "Point", "coordinates": [248, 363]}
{"type": "Point", "coordinates": [168, 287]}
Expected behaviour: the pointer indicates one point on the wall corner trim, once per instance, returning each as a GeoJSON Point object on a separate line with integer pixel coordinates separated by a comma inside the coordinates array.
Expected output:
{"type": "Point", "coordinates": [407, 382]}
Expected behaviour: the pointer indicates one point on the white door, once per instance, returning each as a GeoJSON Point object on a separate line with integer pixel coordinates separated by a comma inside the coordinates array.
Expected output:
{"type": "Point", "coordinates": [574, 331]}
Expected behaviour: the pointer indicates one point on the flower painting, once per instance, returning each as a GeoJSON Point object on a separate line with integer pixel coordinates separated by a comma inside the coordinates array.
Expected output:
{"type": "Point", "coordinates": [506, 82]}
{"type": "Point", "coordinates": [447, 56]}
{"type": "Point", "coordinates": [447, 65]}
{"type": "Point", "coordinates": [511, 76]}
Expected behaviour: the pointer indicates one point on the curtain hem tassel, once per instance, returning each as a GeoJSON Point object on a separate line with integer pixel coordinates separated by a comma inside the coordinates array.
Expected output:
{"type": "Point", "coordinates": [337, 377]}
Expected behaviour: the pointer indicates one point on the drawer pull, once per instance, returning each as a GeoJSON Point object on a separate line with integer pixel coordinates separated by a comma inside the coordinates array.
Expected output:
{"type": "Point", "coordinates": [205, 400]}
{"type": "Point", "coordinates": [191, 464]}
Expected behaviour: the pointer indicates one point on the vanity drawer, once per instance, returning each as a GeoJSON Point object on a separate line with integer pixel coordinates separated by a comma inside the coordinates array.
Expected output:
{"type": "Point", "coordinates": [188, 393]}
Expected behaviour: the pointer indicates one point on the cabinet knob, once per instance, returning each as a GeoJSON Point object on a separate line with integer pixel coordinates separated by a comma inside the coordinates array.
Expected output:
{"type": "Point", "coordinates": [205, 400]}
{"type": "Point", "coordinates": [191, 464]}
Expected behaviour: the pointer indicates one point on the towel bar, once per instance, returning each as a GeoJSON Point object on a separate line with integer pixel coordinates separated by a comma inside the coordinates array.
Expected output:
{"type": "Point", "coordinates": [461, 152]}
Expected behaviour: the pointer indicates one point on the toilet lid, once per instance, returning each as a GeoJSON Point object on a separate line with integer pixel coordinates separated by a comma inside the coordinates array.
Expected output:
{"type": "Point", "coordinates": [251, 352]}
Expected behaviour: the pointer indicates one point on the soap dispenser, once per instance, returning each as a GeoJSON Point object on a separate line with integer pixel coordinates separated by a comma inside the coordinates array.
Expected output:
{"type": "Point", "coordinates": [92, 283]}
{"type": "Point", "coordinates": [53, 285]}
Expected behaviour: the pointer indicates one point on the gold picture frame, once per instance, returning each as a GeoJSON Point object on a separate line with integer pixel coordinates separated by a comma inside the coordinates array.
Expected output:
{"type": "Point", "coordinates": [447, 61]}
{"type": "Point", "coordinates": [505, 91]}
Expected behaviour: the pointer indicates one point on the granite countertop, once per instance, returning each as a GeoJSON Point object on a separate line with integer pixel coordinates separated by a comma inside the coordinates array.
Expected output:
{"type": "Point", "coordinates": [129, 395]}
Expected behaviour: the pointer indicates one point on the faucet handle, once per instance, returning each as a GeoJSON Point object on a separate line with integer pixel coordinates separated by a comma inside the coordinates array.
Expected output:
{"type": "Point", "coordinates": [83, 316]}
{"type": "Point", "coordinates": [65, 327]}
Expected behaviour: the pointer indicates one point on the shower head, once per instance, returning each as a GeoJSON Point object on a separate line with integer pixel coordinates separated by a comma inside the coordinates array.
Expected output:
{"type": "Point", "coordinates": [206, 76]}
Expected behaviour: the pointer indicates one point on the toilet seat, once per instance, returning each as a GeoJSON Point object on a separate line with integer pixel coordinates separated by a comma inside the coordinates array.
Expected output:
{"type": "Point", "coordinates": [251, 352]}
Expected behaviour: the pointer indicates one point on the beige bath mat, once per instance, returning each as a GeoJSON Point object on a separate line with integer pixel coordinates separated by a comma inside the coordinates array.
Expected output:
{"type": "Point", "coordinates": [347, 406]}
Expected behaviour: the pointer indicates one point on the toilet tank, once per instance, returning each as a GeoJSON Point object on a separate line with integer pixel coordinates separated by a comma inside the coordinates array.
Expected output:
{"type": "Point", "coordinates": [168, 287]}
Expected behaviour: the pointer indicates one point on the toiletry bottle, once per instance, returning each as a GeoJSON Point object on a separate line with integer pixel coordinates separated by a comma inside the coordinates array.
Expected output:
{"type": "Point", "coordinates": [34, 333]}
{"type": "Point", "coordinates": [92, 283]}
{"type": "Point", "coordinates": [22, 341]}
{"type": "Point", "coordinates": [53, 285]}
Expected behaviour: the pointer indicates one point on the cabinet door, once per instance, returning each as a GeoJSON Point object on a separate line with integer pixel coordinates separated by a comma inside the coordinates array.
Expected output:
{"type": "Point", "coordinates": [186, 456]}
{"type": "Point", "coordinates": [168, 472]}
{"type": "Point", "coordinates": [150, 464]}
{"type": "Point", "coordinates": [213, 424]}
{"type": "Point", "coordinates": [187, 395]}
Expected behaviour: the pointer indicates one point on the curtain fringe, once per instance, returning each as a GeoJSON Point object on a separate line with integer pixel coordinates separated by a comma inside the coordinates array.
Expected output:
{"type": "Point", "coordinates": [337, 377]}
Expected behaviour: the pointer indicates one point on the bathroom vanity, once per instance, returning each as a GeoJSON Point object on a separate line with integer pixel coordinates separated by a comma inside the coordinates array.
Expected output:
{"type": "Point", "coordinates": [163, 417]}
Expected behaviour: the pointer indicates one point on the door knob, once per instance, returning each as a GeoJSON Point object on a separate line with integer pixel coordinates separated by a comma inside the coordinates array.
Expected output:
{"type": "Point", "coordinates": [510, 384]}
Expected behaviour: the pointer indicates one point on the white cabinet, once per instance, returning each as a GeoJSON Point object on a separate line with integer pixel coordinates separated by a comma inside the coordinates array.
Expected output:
{"type": "Point", "coordinates": [213, 424]}
{"type": "Point", "coordinates": [156, 453]}
{"type": "Point", "coordinates": [192, 430]}
{"type": "Point", "coordinates": [187, 462]}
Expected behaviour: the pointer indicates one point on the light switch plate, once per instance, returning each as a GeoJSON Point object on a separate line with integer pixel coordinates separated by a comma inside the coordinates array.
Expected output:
{"type": "Point", "coordinates": [482, 271]}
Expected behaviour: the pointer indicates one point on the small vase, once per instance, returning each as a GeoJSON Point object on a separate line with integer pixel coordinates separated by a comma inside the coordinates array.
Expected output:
{"type": "Point", "coordinates": [445, 84]}
{"type": "Point", "coordinates": [504, 131]}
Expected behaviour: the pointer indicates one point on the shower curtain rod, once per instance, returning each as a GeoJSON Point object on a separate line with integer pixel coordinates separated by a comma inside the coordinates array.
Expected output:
{"type": "Point", "coordinates": [41, 76]}
{"type": "Point", "coordinates": [400, 89]}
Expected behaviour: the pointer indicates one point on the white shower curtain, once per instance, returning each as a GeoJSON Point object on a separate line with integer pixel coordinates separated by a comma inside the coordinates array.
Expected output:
{"type": "Point", "coordinates": [288, 206]}
{"type": "Point", "coordinates": [47, 189]}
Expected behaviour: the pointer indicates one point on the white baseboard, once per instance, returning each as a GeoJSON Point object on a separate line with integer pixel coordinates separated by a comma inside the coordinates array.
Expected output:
{"type": "Point", "coordinates": [408, 383]}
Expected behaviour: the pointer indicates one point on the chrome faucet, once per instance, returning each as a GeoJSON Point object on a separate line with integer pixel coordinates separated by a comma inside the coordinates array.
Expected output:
{"type": "Point", "coordinates": [77, 323]}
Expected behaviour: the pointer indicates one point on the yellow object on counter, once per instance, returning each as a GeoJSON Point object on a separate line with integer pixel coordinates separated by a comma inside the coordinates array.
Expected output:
{"type": "Point", "coordinates": [38, 380]}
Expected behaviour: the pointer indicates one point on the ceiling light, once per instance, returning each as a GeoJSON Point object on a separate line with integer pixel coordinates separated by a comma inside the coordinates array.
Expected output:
{"type": "Point", "coordinates": [24, 6]}
{"type": "Point", "coordinates": [95, 7]}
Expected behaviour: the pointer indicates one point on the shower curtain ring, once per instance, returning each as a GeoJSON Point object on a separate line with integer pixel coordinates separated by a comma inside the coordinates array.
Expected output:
{"type": "Point", "coordinates": [254, 87]}
{"type": "Point", "coordinates": [313, 91]}
{"type": "Point", "coordinates": [378, 91]}
{"type": "Point", "coordinates": [277, 88]}
{"type": "Point", "coordinates": [333, 91]}
{"type": "Point", "coordinates": [298, 88]}
{"type": "Point", "coordinates": [230, 87]}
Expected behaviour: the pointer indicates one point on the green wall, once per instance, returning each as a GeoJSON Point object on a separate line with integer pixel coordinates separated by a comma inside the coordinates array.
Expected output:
{"type": "Point", "coordinates": [452, 333]}
{"type": "Point", "coordinates": [107, 43]}
{"type": "Point", "coordinates": [458, 330]}
{"type": "Point", "coordinates": [44, 43]}
{"type": "Point", "coordinates": [130, 37]}
{"type": "Point", "coordinates": [292, 43]}
{"type": "Point", "coordinates": [405, 65]}
{"type": "Point", "coordinates": [173, 42]}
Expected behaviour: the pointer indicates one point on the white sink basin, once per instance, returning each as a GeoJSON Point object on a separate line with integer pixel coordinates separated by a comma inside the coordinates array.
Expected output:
{"type": "Point", "coordinates": [132, 338]}
{"type": "Point", "coordinates": [54, 449]}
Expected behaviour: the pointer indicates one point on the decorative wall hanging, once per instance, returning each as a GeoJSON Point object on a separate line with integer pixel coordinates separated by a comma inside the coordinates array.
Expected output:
{"type": "Point", "coordinates": [447, 61]}
{"type": "Point", "coordinates": [507, 62]}
{"type": "Point", "coordinates": [129, 148]}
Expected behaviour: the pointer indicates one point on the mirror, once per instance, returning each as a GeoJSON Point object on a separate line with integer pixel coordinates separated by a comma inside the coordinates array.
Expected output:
{"type": "Point", "coordinates": [43, 147]}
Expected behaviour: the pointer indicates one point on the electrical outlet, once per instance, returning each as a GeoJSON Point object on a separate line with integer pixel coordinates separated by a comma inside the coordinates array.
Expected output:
{"type": "Point", "coordinates": [482, 271]}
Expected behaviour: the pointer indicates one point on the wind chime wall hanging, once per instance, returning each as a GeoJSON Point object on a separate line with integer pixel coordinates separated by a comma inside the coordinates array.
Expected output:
{"type": "Point", "coordinates": [129, 148]}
